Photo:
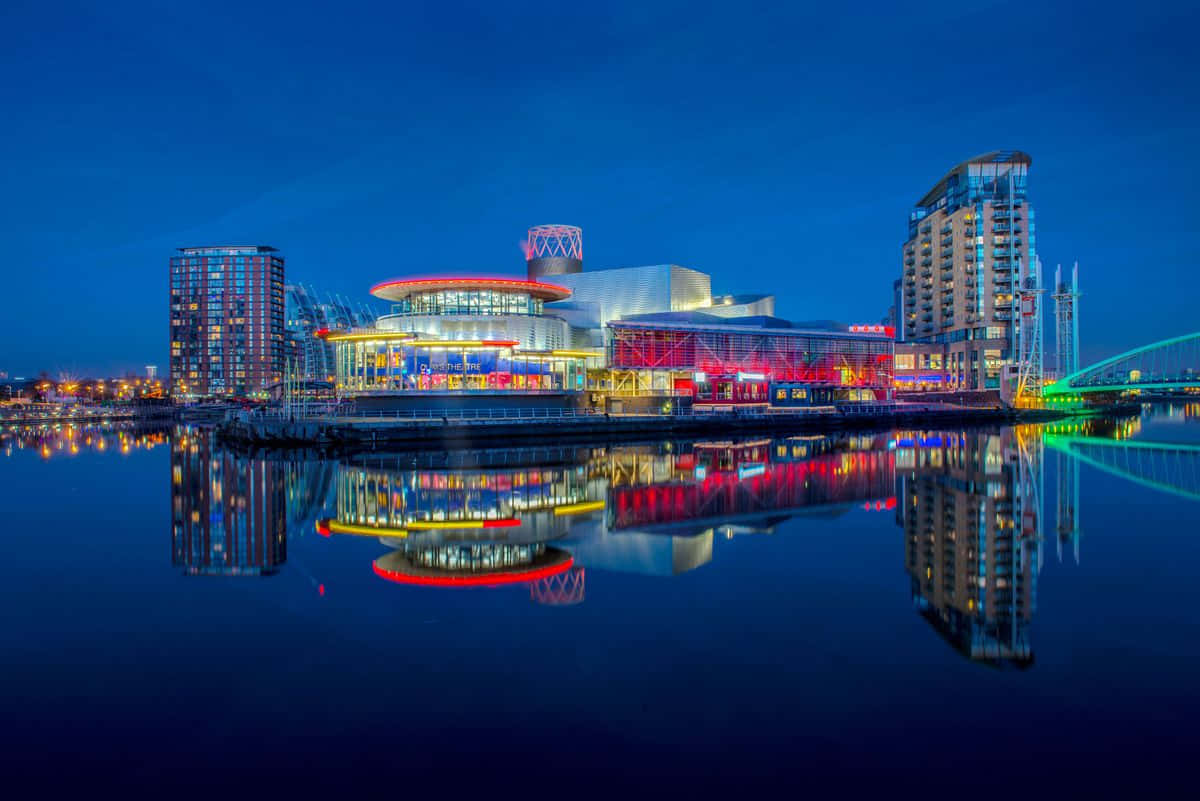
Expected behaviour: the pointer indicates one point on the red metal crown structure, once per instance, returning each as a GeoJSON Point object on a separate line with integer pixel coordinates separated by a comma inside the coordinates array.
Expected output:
{"type": "Point", "coordinates": [563, 589]}
{"type": "Point", "coordinates": [554, 241]}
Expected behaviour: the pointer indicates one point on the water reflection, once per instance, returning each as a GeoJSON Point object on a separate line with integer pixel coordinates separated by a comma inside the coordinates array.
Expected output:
{"type": "Point", "coordinates": [54, 441]}
{"type": "Point", "coordinates": [230, 511]}
{"type": "Point", "coordinates": [970, 506]}
{"type": "Point", "coordinates": [544, 516]}
{"type": "Point", "coordinates": [972, 530]}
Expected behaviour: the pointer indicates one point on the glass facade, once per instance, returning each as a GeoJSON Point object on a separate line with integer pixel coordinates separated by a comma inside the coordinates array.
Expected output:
{"type": "Point", "coordinates": [397, 364]}
{"type": "Point", "coordinates": [469, 302]}
{"type": "Point", "coordinates": [754, 355]}
{"type": "Point", "coordinates": [306, 315]}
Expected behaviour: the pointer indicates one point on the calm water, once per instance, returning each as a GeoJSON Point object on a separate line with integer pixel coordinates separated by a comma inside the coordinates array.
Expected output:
{"type": "Point", "coordinates": [995, 612]}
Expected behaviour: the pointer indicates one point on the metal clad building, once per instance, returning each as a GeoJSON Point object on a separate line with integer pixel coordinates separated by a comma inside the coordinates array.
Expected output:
{"type": "Point", "coordinates": [624, 291]}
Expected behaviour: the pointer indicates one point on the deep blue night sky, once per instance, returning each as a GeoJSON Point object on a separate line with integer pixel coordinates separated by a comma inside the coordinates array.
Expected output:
{"type": "Point", "coordinates": [777, 148]}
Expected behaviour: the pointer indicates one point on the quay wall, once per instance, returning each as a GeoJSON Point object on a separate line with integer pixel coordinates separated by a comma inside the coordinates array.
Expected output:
{"type": "Point", "coordinates": [374, 433]}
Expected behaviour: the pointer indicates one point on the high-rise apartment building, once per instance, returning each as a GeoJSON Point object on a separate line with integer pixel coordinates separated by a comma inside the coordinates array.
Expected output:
{"type": "Point", "coordinates": [970, 249]}
{"type": "Point", "coordinates": [227, 321]}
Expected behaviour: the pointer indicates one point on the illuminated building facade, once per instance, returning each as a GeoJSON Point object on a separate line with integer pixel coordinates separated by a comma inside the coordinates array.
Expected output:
{"type": "Point", "coordinates": [749, 360]}
{"type": "Point", "coordinates": [461, 334]}
{"type": "Point", "coordinates": [380, 361]}
{"type": "Point", "coordinates": [227, 321]}
{"type": "Point", "coordinates": [629, 332]}
{"type": "Point", "coordinates": [969, 249]}
{"type": "Point", "coordinates": [599, 297]}
{"type": "Point", "coordinates": [475, 309]}
{"type": "Point", "coordinates": [970, 540]}
{"type": "Point", "coordinates": [228, 511]}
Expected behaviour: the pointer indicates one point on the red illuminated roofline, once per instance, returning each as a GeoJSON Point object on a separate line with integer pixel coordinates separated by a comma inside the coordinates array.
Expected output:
{"type": "Point", "coordinates": [481, 580]}
{"type": "Point", "coordinates": [547, 291]}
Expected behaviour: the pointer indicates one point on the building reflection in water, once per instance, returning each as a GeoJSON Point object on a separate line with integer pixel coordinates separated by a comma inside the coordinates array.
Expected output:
{"type": "Point", "coordinates": [228, 510]}
{"type": "Point", "coordinates": [231, 511]}
{"type": "Point", "coordinates": [969, 505]}
{"type": "Point", "coordinates": [543, 517]}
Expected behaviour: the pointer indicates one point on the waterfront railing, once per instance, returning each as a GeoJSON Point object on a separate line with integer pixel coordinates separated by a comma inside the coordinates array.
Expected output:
{"type": "Point", "coordinates": [350, 414]}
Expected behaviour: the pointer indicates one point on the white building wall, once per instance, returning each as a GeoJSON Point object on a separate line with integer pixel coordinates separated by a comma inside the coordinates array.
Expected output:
{"type": "Point", "coordinates": [763, 305]}
{"type": "Point", "coordinates": [625, 291]}
{"type": "Point", "coordinates": [532, 333]}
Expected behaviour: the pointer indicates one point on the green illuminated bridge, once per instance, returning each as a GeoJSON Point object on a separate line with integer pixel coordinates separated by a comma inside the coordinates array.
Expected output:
{"type": "Point", "coordinates": [1172, 364]}
{"type": "Point", "coordinates": [1164, 466]}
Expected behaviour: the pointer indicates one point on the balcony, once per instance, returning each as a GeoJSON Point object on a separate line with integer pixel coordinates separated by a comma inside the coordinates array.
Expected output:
{"type": "Point", "coordinates": [910, 261]}
{"type": "Point", "coordinates": [927, 307]}
{"type": "Point", "coordinates": [927, 296]}
{"type": "Point", "coordinates": [925, 262]}
{"type": "Point", "coordinates": [947, 242]}
{"type": "Point", "coordinates": [948, 253]}
{"type": "Point", "coordinates": [1002, 316]}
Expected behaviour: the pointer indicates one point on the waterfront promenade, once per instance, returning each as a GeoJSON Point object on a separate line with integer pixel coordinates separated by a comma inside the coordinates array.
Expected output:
{"type": "Point", "coordinates": [49, 414]}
